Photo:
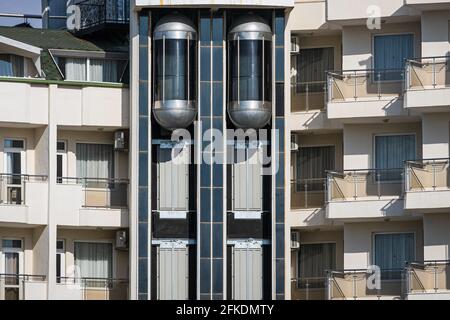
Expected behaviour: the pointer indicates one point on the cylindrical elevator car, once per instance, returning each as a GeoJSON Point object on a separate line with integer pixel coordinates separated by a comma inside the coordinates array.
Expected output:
{"type": "Point", "coordinates": [174, 75]}
{"type": "Point", "coordinates": [250, 72]}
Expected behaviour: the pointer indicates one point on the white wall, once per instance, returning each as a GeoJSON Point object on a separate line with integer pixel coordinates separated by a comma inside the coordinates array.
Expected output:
{"type": "Point", "coordinates": [436, 233]}
{"type": "Point", "coordinates": [358, 240]}
{"type": "Point", "coordinates": [436, 132]}
{"type": "Point", "coordinates": [359, 141]}
{"type": "Point", "coordinates": [435, 33]}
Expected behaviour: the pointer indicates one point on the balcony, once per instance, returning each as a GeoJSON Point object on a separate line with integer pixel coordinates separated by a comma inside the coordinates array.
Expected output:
{"type": "Point", "coordinates": [367, 95]}
{"type": "Point", "coordinates": [427, 185]}
{"type": "Point", "coordinates": [365, 194]}
{"type": "Point", "coordinates": [92, 202]}
{"type": "Point", "coordinates": [309, 288]}
{"type": "Point", "coordinates": [22, 287]}
{"type": "Point", "coordinates": [68, 288]}
{"type": "Point", "coordinates": [357, 285]}
{"type": "Point", "coordinates": [426, 5]}
{"type": "Point", "coordinates": [102, 14]}
{"type": "Point", "coordinates": [308, 96]}
{"type": "Point", "coordinates": [428, 84]}
{"type": "Point", "coordinates": [23, 199]}
{"type": "Point", "coordinates": [428, 280]}
{"type": "Point", "coordinates": [308, 193]}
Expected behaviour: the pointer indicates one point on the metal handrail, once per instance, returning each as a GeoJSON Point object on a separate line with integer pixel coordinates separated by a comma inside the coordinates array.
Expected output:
{"type": "Point", "coordinates": [78, 180]}
{"type": "Point", "coordinates": [26, 277]}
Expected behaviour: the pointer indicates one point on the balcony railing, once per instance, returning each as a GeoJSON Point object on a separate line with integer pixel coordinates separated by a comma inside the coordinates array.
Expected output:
{"type": "Point", "coordinates": [12, 187]}
{"type": "Point", "coordinates": [360, 284]}
{"type": "Point", "coordinates": [307, 96]}
{"type": "Point", "coordinates": [99, 12]}
{"type": "Point", "coordinates": [427, 73]}
{"type": "Point", "coordinates": [364, 184]}
{"type": "Point", "coordinates": [308, 193]}
{"type": "Point", "coordinates": [97, 288]}
{"type": "Point", "coordinates": [354, 85]}
{"type": "Point", "coordinates": [312, 288]}
{"type": "Point", "coordinates": [101, 193]}
{"type": "Point", "coordinates": [430, 174]}
{"type": "Point", "coordinates": [13, 286]}
{"type": "Point", "coordinates": [428, 277]}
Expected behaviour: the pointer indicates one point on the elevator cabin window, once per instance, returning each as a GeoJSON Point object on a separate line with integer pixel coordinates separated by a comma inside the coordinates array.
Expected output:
{"type": "Point", "coordinates": [173, 178]}
{"type": "Point", "coordinates": [247, 179]}
{"type": "Point", "coordinates": [174, 69]}
{"type": "Point", "coordinates": [250, 67]}
{"type": "Point", "coordinates": [173, 271]}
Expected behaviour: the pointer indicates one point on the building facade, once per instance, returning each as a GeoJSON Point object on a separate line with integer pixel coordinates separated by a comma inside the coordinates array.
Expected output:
{"type": "Point", "coordinates": [226, 150]}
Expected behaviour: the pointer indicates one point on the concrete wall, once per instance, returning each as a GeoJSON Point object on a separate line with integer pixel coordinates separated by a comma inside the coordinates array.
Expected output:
{"type": "Point", "coordinates": [359, 141]}
{"type": "Point", "coordinates": [436, 234]}
{"type": "Point", "coordinates": [436, 132]}
{"type": "Point", "coordinates": [435, 33]}
{"type": "Point", "coordinates": [307, 15]}
{"type": "Point", "coordinates": [120, 257]}
{"type": "Point", "coordinates": [74, 137]}
{"type": "Point", "coordinates": [358, 240]}
{"type": "Point", "coordinates": [357, 43]}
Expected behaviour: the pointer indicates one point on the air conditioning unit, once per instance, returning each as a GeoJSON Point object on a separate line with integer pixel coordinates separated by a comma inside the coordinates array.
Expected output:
{"type": "Point", "coordinates": [120, 141]}
{"type": "Point", "coordinates": [295, 240]}
{"type": "Point", "coordinates": [295, 45]}
{"type": "Point", "coordinates": [294, 142]}
{"type": "Point", "coordinates": [121, 239]}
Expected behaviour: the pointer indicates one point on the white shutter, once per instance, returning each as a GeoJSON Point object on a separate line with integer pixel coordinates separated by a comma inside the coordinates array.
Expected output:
{"type": "Point", "coordinates": [247, 271]}
{"type": "Point", "coordinates": [173, 178]}
{"type": "Point", "coordinates": [247, 180]}
{"type": "Point", "coordinates": [173, 272]}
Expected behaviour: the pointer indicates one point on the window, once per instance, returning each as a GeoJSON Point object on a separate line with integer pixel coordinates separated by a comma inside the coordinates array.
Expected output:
{"type": "Point", "coordinates": [61, 161]}
{"type": "Point", "coordinates": [94, 70]}
{"type": "Point", "coordinates": [60, 260]}
{"type": "Point", "coordinates": [390, 153]}
{"type": "Point", "coordinates": [312, 163]}
{"type": "Point", "coordinates": [173, 178]}
{"type": "Point", "coordinates": [93, 260]}
{"type": "Point", "coordinates": [12, 265]}
{"type": "Point", "coordinates": [392, 251]}
{"type": "Point", "coordinates": [314, 260]}
{"type": "Point", "coordinates": [11, 65]}
{"type": "Point", "coordinates": [95, 160]}
{"type": "Point", "coordinates": [14, 166]}
{"type": "Point", "coordinates": [312, 65]}
{"type": "Point", "coordinates": [390, 52]}
{"type": "Point", "coordinates": [247, 179]}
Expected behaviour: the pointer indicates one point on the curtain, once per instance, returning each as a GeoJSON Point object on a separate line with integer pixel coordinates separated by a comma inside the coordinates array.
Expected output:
{"type": "Point", "coordinates": [390, 52]}
{"type": "Point", "coordinates": [94, 260]}
{"type": "Point", "coordinates": [102, 70]}
{"type": "Point", "coordinates": [391, 152]}
{"type": "Point", "coordinates": [312, 163]}
{"type": "Point", "coordinates": [392, 251]}
{"type": "Point", "coordinates": [95, 161]}
{"type": "Point", "coordinates": [314, 260]}
{"type": "Point", "coordinates": [11, 65]}
{"type": "Point", "coordinates": [75, 69]}
{"type": "Point", "coordinates": [312, 65]}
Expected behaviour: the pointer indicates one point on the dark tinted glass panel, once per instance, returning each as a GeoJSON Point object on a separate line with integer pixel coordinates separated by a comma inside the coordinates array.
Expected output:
{"type": "Point", "coordinates": [172, 69]}
{"type": "Point", "coordinates": [250, 78]}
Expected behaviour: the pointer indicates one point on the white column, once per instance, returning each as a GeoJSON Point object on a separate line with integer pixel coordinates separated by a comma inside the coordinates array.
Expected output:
{"type": "Point", "coordinates": [52, 227]}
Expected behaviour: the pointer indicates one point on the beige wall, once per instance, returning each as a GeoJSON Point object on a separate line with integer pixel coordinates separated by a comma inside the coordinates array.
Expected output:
{"type": "Point", "coordinates": [435, 33]}
{"type": "Point", "coordinates": [436, 132]}
{"type": "Point", "coordinates": [72, 137]}
{"type": "Point", "coordinates": [358, 240]}
{"type": "Point", "coordinates": [120, 257]}
{"type": "Point", "coordinates": [28, 241]}
{"type": "Point", "coordinates": [436, 235]}
{"type": "Point", "coordinates": [307, 15]}
{"type": "Point", "coordinates": [35, 139]}
{"type": "Point", "coordinates": [357, 43]}
{"type": "Point", "coordinates": [359, 141]}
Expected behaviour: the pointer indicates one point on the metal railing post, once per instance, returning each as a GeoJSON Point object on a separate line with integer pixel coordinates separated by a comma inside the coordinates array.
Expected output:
{"type": "Point", "coordinates": [307, 96]}
{"type": "Point", "coordinates": [355, 186]}
{"type": "Point", "coordinates": [306, 194]}
{"type": "Point", "coordinates": [378, 184]}
{"type": "Point", "coordinates": [354, 287]}
{"type": "Point", "coordinates": [434, 174]}
{"type": "Point", "coordinates": [355, 84]}
{"type": "Point", "coordinates": [378, 84]}
{"type": "Point", "coordinates": [434, 72]}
